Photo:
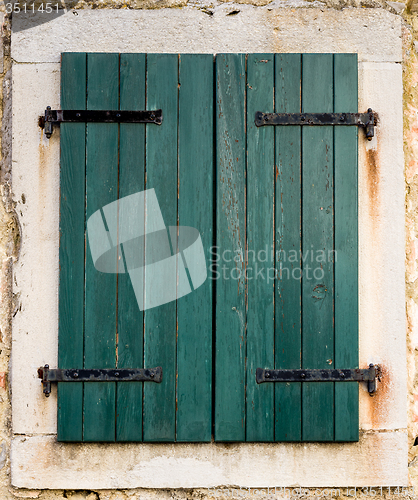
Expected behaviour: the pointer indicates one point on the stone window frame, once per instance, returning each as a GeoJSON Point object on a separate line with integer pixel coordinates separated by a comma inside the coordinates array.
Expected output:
{"type": "Point", "coordinates": [38, 461]}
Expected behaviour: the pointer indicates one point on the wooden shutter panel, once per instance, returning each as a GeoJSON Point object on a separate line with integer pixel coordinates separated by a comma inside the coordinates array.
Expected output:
{"type": "Point", "coordinates": [195, 209]}
{"type": "Point", "coordinates": [287, 295]}
{"type": "Point", "coordinates": [346, 247]}
{"type": "Point", "coordinates": [300, 182]}
{"type": "Point", "coordinates": [100, 288]}
{"type": "Point", "coordinates": [230, 239]}
{"type": "Point", "coordinates": [101, 325]}
{"type": "Point", "coordinates": [71, 251]}
{"type": "Point", "coordinates": [283, 190]}
{"type": "Point", "coordinates": [317, 234]}
{"type": "Point", "coordinates": [130, 326]}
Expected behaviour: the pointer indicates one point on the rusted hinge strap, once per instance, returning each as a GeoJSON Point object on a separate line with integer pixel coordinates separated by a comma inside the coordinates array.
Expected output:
{"type": "Point", "coordinates": [49, 375]}
{"type": "Point", "coordinates": [57, 116]}
{"type": "Point", "coordinates": [369, 375]}
{"type": "Point", "coordinates": [364, 120]}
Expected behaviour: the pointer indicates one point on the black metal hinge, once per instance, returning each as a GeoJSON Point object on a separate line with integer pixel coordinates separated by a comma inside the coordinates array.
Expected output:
{"type": "Point", "coordinates": [57, 116]}
{"type": "Point", "coordinates": [51, 375]}
{"type": "Point", "coordinates": [369, 375]}
{"type": "Point", "coordinates": [364, 120]}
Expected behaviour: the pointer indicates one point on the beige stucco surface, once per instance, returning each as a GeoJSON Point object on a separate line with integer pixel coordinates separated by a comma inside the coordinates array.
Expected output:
{"type": "Point", "coordinates": [37, 460]}
{"type": "Point", "coordinates": [374, 34]}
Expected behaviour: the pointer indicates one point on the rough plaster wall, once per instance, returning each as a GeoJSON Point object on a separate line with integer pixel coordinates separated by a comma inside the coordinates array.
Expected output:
{"type": "Point", "coordinates": [10, 238]}
{"type": "Point", "coordinates": [410, 69]}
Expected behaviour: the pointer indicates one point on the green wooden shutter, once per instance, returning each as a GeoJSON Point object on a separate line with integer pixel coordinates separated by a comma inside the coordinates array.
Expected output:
{"type": "Point", "coordinates": [272, 205]}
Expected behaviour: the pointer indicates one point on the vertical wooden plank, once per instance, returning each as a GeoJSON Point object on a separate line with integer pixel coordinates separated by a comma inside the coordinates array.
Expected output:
{"type": "Point", "coordinates": [71, 252]}
{"type": "Point", "coordinates": [317, 242]}
{"type": "Point", "coordinates": [161, 175]}
{"type": "Point", "coordinates": [260, 256]}
{"type": "Point", "coordinates": [100, 306]}
{"type": "Point", "coordinates": [131, 181]}
{"type": "Point", "coordinates": [288, 335]}
{"type": "Point", "coordinates": [230, 240]}
{"type": "Point", "coordinates": [194, 311]}
{"type": "Point", "coordinates": [346, 247]}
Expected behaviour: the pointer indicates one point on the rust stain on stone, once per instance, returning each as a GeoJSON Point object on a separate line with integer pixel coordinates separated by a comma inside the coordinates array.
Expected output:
{"type": "Point", "coordinates": [378, 404]}
{"type": "Point", "coordinates": [373, 178]}
{"type": "Point", "coordinates": [43, 152]}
